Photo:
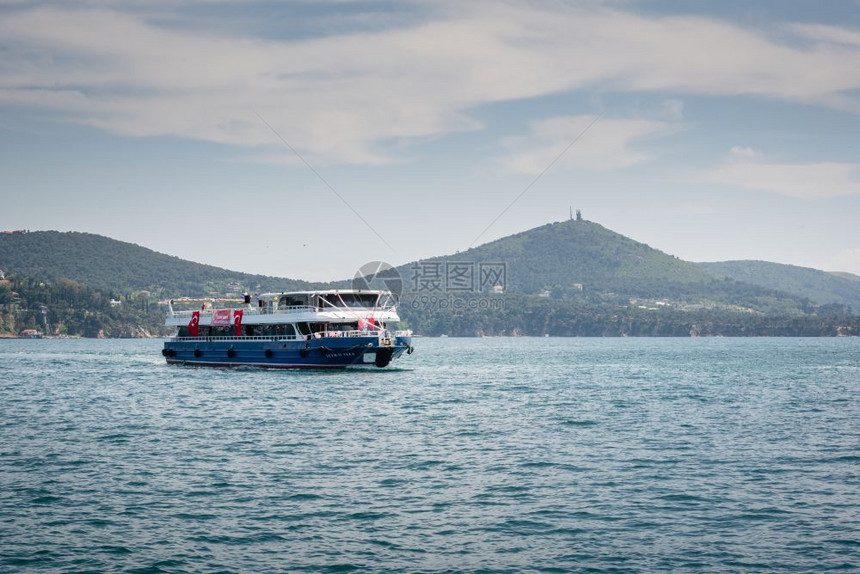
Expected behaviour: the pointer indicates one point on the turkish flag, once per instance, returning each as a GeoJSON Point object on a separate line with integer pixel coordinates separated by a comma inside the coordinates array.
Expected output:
{"type": "Point", "coordinates": [194, 324]}
{"type": "Point", "coordinates": [237, 322]}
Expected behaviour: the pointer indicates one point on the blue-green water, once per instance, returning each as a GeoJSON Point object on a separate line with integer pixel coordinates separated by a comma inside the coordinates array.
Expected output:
{"type": "Point", "coordinates": [495, 455]}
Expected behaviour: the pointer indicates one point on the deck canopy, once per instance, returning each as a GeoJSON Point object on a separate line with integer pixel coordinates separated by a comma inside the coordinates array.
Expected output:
{"type": "Point", "coordinates": [331, 298]}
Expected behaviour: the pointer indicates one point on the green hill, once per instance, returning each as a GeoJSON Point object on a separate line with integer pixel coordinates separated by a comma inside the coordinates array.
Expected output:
{"type": "Point", "coordinates": [818, 286]}
{"type": "Point", "coordinates": [111, 265]}
{"type": "Point", "coordinates": [569, 252]}
{"type": "Point", "coordinates": [577, 260]}
{"type": "Point", "coordinates": [584, 260]}
{"type": "Point", "coordinates": [568, 278]}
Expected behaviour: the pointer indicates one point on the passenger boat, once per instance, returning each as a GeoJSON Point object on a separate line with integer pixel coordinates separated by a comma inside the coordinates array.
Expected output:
{"type": "Point", "coordinates": [328, 329]}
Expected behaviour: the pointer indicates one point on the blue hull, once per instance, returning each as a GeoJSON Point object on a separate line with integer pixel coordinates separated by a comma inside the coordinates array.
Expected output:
{"type": "Point", "coordinates": [326, 353]}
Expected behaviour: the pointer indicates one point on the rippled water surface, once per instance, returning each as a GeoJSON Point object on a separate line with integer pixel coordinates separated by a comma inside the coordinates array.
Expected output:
{"type": "Point", "coordinates": [501, 455]}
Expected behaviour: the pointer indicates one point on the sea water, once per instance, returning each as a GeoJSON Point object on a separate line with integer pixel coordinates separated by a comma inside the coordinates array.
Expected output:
{"type": "Point", "coordinates": [491, 455]}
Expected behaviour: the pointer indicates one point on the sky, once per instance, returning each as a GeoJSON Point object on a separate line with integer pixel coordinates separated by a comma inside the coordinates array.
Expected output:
{"type": "Point", "coordinates": [303, 139]}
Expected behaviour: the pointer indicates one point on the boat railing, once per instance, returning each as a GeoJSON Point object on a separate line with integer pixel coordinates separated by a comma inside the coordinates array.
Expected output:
{"type": "Point", "coordinates": [368, 333]}
{"type": "Point", "coordinates": [290, 309]}
{"type": "Point", "coordinates": [312, 309]}
{"type": "Point", "coordinates": [251, 310]}
{"type": "Point", "coordinates": [243, 338]}
{"type": "Point", "coordinates": [318, 335]}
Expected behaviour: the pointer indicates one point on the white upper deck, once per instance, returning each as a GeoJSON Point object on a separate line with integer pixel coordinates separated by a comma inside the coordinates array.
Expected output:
{"type": "Point", "coordinates": [328, 305]}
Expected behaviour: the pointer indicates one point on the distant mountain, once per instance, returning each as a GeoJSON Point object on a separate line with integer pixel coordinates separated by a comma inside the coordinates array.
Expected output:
{"type": "Point", "coordinates": [581, 259]}
{"type": "Point", "coordinates": [111, 265]}
{"type": "Point", "coordinates": [818, 286]}
{"type": "Point", "coordinates": [572, 259]}
{"type": "Point", "coordinates": [562, 279]}
{"type": "Point", "coordinates": [560, 254]}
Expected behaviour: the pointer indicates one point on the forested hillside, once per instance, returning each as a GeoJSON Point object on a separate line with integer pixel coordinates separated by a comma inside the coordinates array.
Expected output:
{"type": "Point", "coordinates": [574, 278]}
{"type": "Point", "coordinates": [66, 307]}
{"type": "Point", "coordinates": [560, 254]}
{"type": "Point", "coordinates": [819, 286]}
{"type": "Point", "coordinates": [110, 265]}
{"type": "Point", "coordinates": [585, 262]}
{"type": "Point", "coordinates": [514, 315]}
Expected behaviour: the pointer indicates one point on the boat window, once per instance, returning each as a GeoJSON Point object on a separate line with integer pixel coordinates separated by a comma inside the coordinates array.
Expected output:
{"type": "Point", "coordinates": [368, 300]}
{"type": "Point", "coordinates": [292, 301]}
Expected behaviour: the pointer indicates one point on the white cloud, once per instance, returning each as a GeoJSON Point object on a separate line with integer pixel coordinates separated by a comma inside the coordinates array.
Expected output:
{"type": "Point", "coordinates": [343, 98]}
{"type": "Point", "coordinates": [746, 168]}
{"type": "Point", "coordinates": [744, 152]}
{"type": "Point", "coordinates": [605, 146]}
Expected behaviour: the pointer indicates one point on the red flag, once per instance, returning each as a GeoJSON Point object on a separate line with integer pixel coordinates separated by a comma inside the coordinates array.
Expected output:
{"type": "Point", "coordinates": [221, 317]}
{"type": "Point", "coordinates": [194, 324]}
{"type": "Point", "coordinates": [237, 322]}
